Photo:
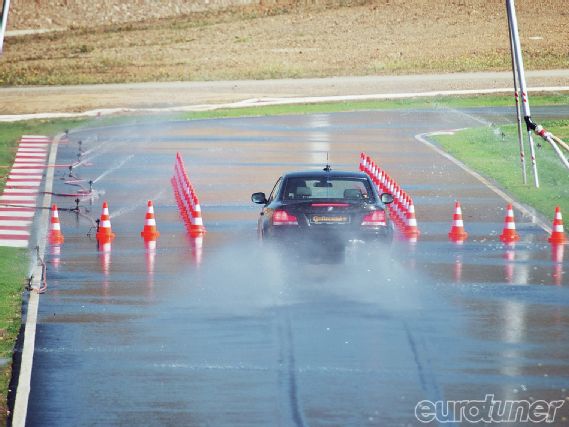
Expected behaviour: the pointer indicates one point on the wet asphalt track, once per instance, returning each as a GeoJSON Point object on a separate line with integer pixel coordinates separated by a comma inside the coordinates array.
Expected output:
{"type": "Point", "coordinates": [234, 334]}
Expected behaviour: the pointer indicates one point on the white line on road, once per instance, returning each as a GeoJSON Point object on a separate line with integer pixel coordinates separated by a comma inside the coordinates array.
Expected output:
{"type": "Point", "coordinates": [32, 150]}
{"type": "Point", "coordinates": [18, 198]}
{"type": "Point", "coordinates": [26, 171]}
{"type": "Point", "coordinates": [14, 232]}
{"type": "Point", "coordinates": [40, 155]}
{"type": "Point", "coordinates": [16, 184]}
{"type": "Point", "coordinates": [20, 190]}
{"type": "Point", "coordinates": [17, 213]}
{"type": "Point", "coordinates": [14, 223]}
{"type": "Point", "coordinates": [15, 243]}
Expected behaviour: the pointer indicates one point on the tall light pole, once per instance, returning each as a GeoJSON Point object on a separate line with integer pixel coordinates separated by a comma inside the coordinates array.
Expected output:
{"type": "Point", "coordinates": [4, 22]}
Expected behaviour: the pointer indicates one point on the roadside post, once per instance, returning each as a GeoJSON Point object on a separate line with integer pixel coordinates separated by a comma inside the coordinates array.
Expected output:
{"type": "Point", "coordinates": [530, 124]}
{"type": "Point", "coordinates": [519, 67]}
{"type": "Point", "coordinates": [518, 112]}
{"type": "Point", "coordinates": [3, 24]}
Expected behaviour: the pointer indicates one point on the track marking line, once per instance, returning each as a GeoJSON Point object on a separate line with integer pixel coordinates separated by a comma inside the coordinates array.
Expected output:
{"type": "Point", "coordinates": [32, 150]}
{"type": "Point", "coordinates": [12, 243]}
{"type": "Point", "coordinates": [20, 212]}
{"type": "Point", "coordinates": [14, 222]}
{"type": "Point", "coordinates": [35, 157]}
{"type": "Point", "coordinates": [27, 197]}
{"type": "Point", "coordinates": [22, 190]}
{"type": "Point", "coordinates": [11, 231]}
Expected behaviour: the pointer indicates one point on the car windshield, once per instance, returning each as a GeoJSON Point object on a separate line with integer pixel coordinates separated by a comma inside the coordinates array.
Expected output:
{"type": "Point", "coordinates": [350, 189]}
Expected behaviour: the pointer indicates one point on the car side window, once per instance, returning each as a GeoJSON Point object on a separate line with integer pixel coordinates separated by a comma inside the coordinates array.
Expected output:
{"type": "Point", "coordinates": [276, 189]}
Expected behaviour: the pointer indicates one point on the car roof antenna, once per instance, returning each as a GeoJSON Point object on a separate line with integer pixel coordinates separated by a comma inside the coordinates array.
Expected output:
{"type": "Point", "coordinates": [327, 168]}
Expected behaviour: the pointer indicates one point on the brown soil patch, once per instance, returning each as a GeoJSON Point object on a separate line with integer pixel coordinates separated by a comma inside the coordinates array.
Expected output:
{"type": "Point", "coordinates": [380, 37]}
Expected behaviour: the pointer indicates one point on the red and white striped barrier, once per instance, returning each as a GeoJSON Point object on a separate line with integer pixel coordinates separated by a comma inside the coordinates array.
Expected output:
{"type": "Point", "coordinates": [402, 209]}
{"type": "Point", "coordinates": [187, 199]}
{"type": "Point", "coordinates": [19, 199]}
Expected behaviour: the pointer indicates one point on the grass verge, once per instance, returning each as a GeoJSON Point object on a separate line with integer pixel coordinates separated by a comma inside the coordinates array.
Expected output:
{"type": "Point", "coordinates": [494, 152]}
{"type": "Point", "coordinates": [13, 263]}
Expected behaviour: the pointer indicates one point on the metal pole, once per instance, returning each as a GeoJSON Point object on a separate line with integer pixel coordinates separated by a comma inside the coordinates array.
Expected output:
{"type": "Point", "coordinates": [4, 23]}
{"type": "Point", "coordinates": [522, 81]}
{"type": "Point", "coordinates": [518, 114]}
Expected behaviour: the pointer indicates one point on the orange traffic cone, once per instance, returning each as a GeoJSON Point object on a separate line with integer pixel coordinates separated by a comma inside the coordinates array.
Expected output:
{"type": "Point", "coordinates": [411, 229]}
{"type": "Point", "coordinates": [105, 233]}
{"type": "Point", "coordinates": [55, 235]}
{"type": "Point", "coordinates": [509, 233]}
{"type": "Point", "coordinates": [457, 232]}
{"type": "Point", "coordinates": [557, 234]}
{"type": "Point", "coordinates": [149, 232]}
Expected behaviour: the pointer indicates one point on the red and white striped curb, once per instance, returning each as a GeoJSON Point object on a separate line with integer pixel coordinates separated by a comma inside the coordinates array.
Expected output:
{"type": "Point", "coordinates": [19, 199]}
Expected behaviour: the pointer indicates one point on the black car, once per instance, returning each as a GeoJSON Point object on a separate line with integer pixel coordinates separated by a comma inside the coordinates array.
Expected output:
{"type": "Point", "coordinates": [325, 206]}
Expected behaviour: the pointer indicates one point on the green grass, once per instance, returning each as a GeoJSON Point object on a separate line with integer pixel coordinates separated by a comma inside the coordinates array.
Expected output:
{"type": "Point", "coordinates": [494, 152]}
{"type": "Point", "coordinates": [13, 264]}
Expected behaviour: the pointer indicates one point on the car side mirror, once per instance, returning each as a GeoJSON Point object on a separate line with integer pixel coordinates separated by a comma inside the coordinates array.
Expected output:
{"type": "Point", "coordinates": [259, 198]}
{"type": "Point", "coordinates": [386, 198]}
